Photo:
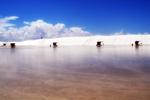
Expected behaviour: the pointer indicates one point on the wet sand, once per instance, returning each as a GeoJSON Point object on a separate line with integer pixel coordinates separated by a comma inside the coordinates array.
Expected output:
{"type": "Point", "coordinates": [75, 73]}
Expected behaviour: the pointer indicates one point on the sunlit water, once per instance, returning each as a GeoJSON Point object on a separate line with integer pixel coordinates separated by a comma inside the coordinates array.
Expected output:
{"type": "Point", "coordinates": [75, 73]}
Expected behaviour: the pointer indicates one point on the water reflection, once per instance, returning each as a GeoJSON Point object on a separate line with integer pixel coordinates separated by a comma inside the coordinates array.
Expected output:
{"type": "Point", "coordinates": [76, 58]}
{"type": "Point", "coordinates": [73, 67]}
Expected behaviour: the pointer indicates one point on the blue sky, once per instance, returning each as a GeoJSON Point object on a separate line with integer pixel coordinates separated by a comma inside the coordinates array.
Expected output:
{"type": "Point", "coordinates": [95, 16]}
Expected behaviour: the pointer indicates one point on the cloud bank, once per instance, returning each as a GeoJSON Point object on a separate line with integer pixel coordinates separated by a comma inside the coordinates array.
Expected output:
{"type": "Point", "coordinates": [40, 29]}
{"type": "Point", "coordinates": [36, 29]}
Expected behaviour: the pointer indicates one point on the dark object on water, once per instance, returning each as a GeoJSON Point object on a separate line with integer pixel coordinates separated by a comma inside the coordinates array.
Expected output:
{"type": "Point", "coordinates": [137, 43]}
{"type": "Point", "coordinates": [4, 44]}
{"type": "Point", "coordinates": [12, 45]}
{"type": "Point", "coordinates": [132, 44]}
{"type": "Point", "coordinates": [99, 44]}
{"type": "Point", "coordinates": [54, 44]}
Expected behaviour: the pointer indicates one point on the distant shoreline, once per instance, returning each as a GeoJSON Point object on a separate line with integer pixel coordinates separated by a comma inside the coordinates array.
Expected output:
{"type": "Point", "coordinates": [114, 40]}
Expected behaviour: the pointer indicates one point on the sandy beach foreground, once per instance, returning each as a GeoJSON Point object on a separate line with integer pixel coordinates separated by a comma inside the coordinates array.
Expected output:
{"type": "Point", "coordinates": [70, 73]}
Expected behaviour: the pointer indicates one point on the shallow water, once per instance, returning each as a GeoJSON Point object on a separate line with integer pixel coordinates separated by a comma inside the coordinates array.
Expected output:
{"type": "Point", "coordinates": [75, 73]}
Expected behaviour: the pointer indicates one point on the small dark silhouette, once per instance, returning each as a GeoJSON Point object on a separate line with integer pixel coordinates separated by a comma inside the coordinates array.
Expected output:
{"type": "Point", "coordinates": [4, 44]}
{"type": "Point", "coordinates": [54, 44]}
{"type": "Point", "coordinates": [132, 44]}
{"type": "Point", "coordinates": [12, 45]}
{"type": "Point", "coordinates": [137, 43]}
{"type": "Point", "coordinates": [99, 43]}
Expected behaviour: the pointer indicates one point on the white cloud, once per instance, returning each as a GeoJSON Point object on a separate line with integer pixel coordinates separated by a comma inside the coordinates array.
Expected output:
{"type": "Point", "coordinates": [5, 22]}
{"type": "Point", "coordinates": [10, 18]}
{"type": "Point", "coordinates": [36, 29]}
{"type": "Point", "coordinates": [39, 28]}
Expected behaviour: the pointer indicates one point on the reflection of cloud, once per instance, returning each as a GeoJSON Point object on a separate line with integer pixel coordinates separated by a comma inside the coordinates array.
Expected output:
{"type": "Point", "coordinates": [36, 29]}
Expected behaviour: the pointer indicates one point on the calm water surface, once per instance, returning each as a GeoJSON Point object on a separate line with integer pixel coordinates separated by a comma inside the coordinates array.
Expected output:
{"type": "Point", "coordinates": [75, 73]}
